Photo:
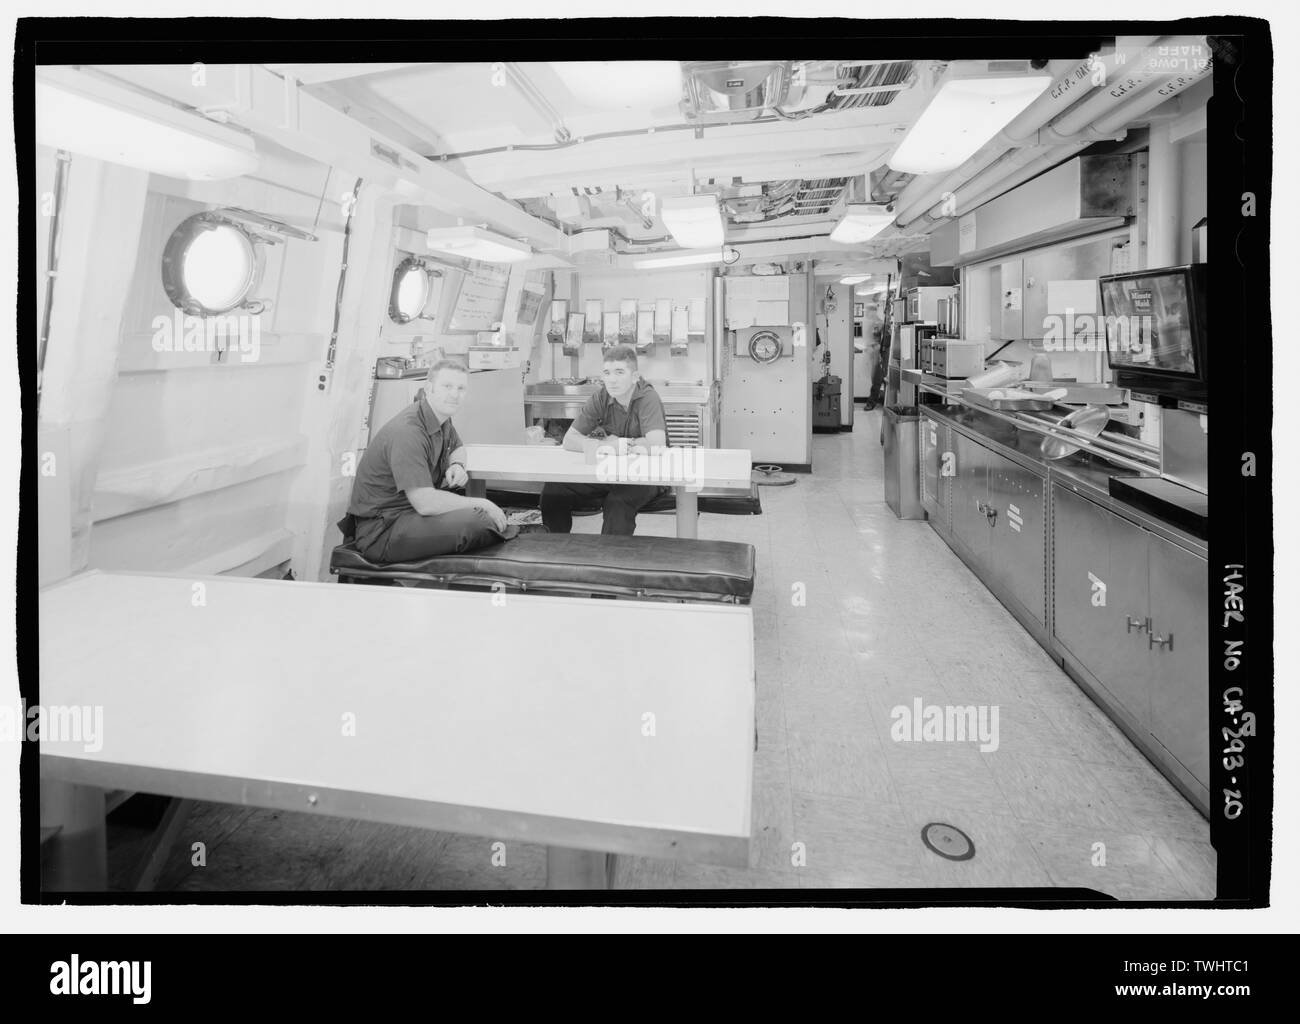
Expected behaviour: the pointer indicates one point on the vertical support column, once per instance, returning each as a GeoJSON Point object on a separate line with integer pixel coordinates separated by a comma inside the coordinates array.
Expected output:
{"type": "Point", "coordinates": [688, 506]}
{"type": "Point", "coordinates": [332, 419]}
{"type": "Point", "coordinates": [76, 858]}
{"type": "Point", "coordinates": [102, 220]}
{"type": "Point", "coordinates": [1164, 177]}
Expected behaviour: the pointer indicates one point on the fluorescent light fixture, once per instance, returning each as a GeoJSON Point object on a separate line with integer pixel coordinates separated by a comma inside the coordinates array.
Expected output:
{"type": "Point", "coordinates": [122, 128]}
{"type": "Point", "coordinates": [622, 84]}
{"type": "Point", "coordinates": [694, 221]}
{"type": "Point", "coordinates": [964, 114]}
{"type": "Point", "coordinates": [855, 279]}
{"type": "Point", "coordinates": [685, 259]}
{"type": "Point", "coordinates": [474, 243]}
{"type": "Point", "coordinates": [860, 222]}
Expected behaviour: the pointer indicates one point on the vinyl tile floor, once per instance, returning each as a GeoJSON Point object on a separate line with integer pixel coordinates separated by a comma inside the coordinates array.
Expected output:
{"type": "Point", "coordinates": [857, 615]}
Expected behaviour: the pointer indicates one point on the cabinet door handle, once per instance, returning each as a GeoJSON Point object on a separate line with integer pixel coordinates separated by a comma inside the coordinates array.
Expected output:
{"type": "Point", "coordinates": [1141, 625]}
{"type": "Point", "coordinates": [1160, 641]}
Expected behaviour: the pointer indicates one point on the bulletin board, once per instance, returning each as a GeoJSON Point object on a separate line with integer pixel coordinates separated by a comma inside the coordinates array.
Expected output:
{"type": "Point", "coordinates": [481, 301]}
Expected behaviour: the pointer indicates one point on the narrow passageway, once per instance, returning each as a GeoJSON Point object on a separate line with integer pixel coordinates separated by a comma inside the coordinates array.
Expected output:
{"type": "Point", "coordinates": [856, 614]}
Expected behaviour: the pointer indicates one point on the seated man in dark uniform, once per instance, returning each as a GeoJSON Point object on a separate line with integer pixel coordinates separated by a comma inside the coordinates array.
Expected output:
{"type": "Point", "coordinates": [403, 498]}
{"type": "Point", "coordinates": [625, 407]}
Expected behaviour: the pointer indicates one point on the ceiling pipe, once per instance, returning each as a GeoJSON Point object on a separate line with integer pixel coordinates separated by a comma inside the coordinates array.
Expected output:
{"type": "Point", "coordinates": [1068, 87]}
{"type": "Point", "coordinates": [1154, 97]}
{"type": "Point", "coordinates": [1104, 106]}
{"type": "Point", "coordinates": [977, 192]}
{"type": "Point", "coordinates": [970, 198]}
{"type": "Point", "coordinates": [1115, 110]}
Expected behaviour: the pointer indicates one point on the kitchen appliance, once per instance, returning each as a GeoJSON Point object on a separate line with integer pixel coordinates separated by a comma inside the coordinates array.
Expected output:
{"type": "Point", "coordinates": [1155, 330]}
{"type": "Point", "coordinates": [950, 357]}
{"type": "Point", "coordinates": [948, 316]}
{"type": "Point", "coordinates": [923, 304]}
{"type": "Point", "coordinates": [903, 356]}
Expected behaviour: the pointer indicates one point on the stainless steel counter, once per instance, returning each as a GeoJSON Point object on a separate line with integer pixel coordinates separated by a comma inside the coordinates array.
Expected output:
{"type": "Point", "coordinates": [1084, 473]}
{"type": "Point", "coordinates": [1047, 538]}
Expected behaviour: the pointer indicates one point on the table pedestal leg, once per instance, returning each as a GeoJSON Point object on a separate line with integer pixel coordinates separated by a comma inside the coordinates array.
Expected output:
{"type": "Point", "coordinates": [688, 506]}
{"type": "Point", "coordinates": [76, 858]}
{"type": "Point", "coordinates": [578, 869]}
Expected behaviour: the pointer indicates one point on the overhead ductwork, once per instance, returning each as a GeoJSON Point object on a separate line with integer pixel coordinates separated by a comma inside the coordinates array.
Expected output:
{"type": "Point", "coordinates": [1082, 196]}
{"type": "Point", "coordinates": [1072, 83]}
{"type": "Point", "coordinates": [728, 90]}
{"type": "Point", "coordinates": [1091, 101]}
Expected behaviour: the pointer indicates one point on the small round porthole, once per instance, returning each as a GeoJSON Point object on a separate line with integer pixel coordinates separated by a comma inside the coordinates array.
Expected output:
{"type": "Point", "coordinates": [211, 266]}
{"type": "Point", "coordinates": [412, 285]}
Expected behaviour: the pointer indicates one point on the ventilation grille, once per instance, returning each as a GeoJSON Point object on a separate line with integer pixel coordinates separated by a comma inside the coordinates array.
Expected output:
{"type": "Point", "coordinates": [684, 429]}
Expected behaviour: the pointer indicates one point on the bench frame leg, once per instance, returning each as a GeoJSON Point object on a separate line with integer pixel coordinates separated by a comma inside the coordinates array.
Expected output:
{"type": "Point", "coordinates": [688, 508]}
{"type": "Point", "coordinates": [76, 858]}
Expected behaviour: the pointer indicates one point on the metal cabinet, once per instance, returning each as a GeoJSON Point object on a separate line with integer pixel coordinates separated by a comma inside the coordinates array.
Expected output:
{"type": "Point", "coordinates": [1084, 609]}
{"type": "Point", "coordinates": [998, 511]}
{"type": "Point", "coordinates": [1017, 542]}
{"type": "Point", "coordinates": [1123, 665]}
{"type": "Point", "coordinates": [1146, 642]}
{"type": "Point", "coordinates": [1099, 592]}
{"type": "Point", "coordinates": [970, 494]}
{"type": "Point", "coordinates": [1179, 647]}
{"type": "Point", "coordinates": [934, 484]}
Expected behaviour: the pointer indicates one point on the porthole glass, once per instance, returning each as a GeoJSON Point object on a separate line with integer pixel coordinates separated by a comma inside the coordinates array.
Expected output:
{"type": "Point", "coordinates": [412, 292]}
{"type": "Point", "coordinates": [218, 267]}
{"type": "Point", "coordinates": [210, 266]}
{"type": "Point", "coordinates": [412, 284]}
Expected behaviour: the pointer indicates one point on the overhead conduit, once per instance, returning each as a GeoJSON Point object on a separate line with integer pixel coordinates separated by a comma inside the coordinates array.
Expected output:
{"type": "Point", "coordinates": [1046, 141]}
{"type": "Point", "coordinates": [1075, 82]}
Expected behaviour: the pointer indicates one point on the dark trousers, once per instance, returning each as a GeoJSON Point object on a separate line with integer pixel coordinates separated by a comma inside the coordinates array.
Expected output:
{"type": "Point", "coordinates": [620, 505]}
{"type": "Point", "coordinates": [412, 536]}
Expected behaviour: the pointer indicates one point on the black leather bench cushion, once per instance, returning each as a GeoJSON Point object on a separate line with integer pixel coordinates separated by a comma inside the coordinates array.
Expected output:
{"type": "Point", "coordinates": [719, 504]}
{"type": "Point", "coordinates": [662, 565]}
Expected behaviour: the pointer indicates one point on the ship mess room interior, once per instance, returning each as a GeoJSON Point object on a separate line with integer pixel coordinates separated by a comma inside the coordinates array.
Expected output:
{"type": "Point", "coordinates": [629, 475]}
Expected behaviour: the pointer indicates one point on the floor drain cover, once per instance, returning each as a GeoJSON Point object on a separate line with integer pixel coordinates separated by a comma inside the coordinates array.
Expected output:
{"type": "Point", "coordinates": [771, 476]}
{"type": "Point", "coordinates": [947, 841]}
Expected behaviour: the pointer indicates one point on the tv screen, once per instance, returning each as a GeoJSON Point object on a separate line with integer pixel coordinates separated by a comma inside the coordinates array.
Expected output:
{"type": "Point", "coordinates": [1154, 320]}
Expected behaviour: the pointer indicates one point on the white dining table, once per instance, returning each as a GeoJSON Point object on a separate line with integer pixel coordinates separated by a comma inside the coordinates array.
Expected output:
{"type": "Point", "coordinates": [688, 471]}
{"type": "Point", "coordinates": [565, 722]}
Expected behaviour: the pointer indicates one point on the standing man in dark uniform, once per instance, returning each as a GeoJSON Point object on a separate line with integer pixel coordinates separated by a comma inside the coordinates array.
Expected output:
{"type": "Point", "coordinates": [403, 498]}
{"type": "Point", "coordinates": [625, 407]}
